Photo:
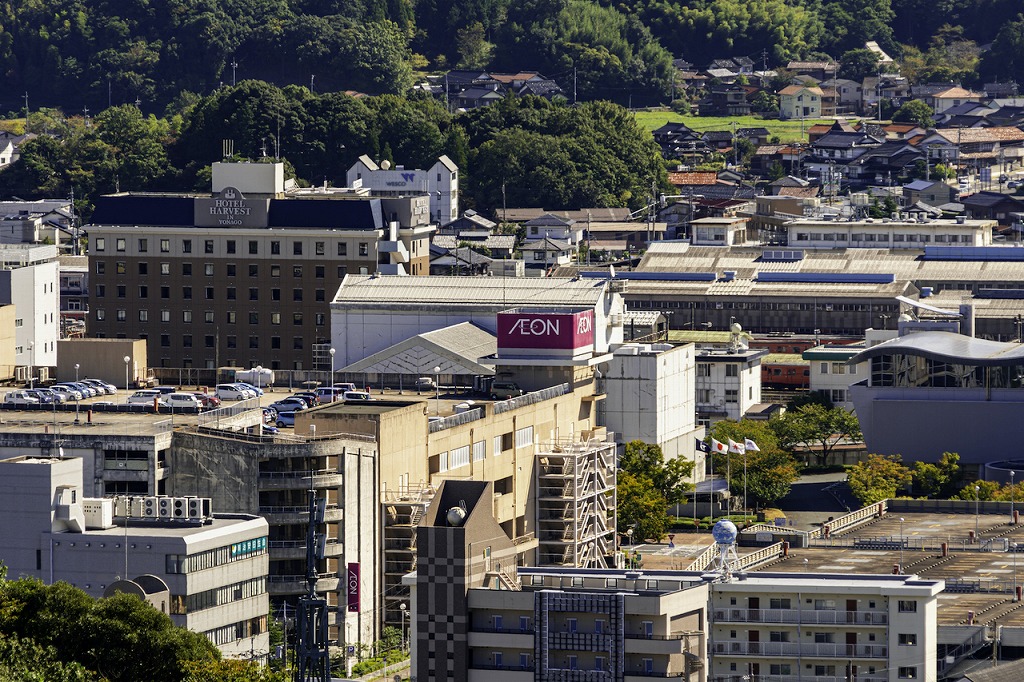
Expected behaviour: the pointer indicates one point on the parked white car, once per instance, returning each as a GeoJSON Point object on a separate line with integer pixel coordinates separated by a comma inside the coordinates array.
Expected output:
{"type": "Point", "coordinates": [233, 392]}
{"type": "Point", "coordinates": [146, 396]}
{"type": "Point", "coordinates": [190, 400]}
{"type": "Point", "coordinates": [20, 398]}
{"type": "Point", "coordinates": [66, 391]}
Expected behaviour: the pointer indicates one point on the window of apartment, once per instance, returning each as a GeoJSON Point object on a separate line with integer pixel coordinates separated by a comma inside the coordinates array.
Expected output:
{"type": "Point", "coordinates": [320, 272]}
{"type": "Point", "coordinates": [320, 249]}
{"type": "Point", "coordinates": [838, 368]}
{"type": "Point", "coordinates": [232, 317]}
{"type": "Point", "coordinates": [824, 604]}
{"type": "Point", "coordinates": [122, 291]}
{"type": "Point", "coordinates": [143, 245]}
{"type": "Point", "coordinates": [275, 342]}
{"type": "Point", "coordinates": [254, 342]}
{"type": "Point", "coordinates": [165, 340]}
{"type": "Point", "coordinates": [208, 269]}
{"type": "Point", "coordinates": [101, 267]}
{"type": "Point", "coordinates": [732, 370]}
{"type": "Point", "coordinates": [122, 315]}
{"type": "Point", "coordinates": [120, 267]}
{"type": "Point", "coordinates": [254, 271]}
{"type": "Point", "coordinates": [275, 318]}
{"type": "Point", "coordinates": [208, 246]}
{"type": "Point", "coordinates": [231, 270]}
{"type": "Point", "coordinates": [186, 341]}
{"type": "Point", "coordinates": [731, 395]}
{"type": "Point", "coordinates": [524, 622]}
{"type": "Point", "coordinates": [101, 314]}
{"type": "Point", "coordinates": [342, 249]}
{"type": "Point", "coordinates": [165, 315]}
{"type": "Point", "coordinates": [254, 248]}
{"type": "Point", "coordinates": [165, 246]}
{"type": "Point", "coordinates": [231, 246]}
{"type": "Point", "coordinates": [232, 341]}
{"type": "Point", "coordinates": [121, 244]}
{"type": "Point", "coordinates": [208, 340]}
{"type": "Point", "coordinates": [186, 246]}
{"type": "Point", "coordinates": [275, 270]}
{"type": "Point", "coordinates": [165, 292]}
{"type": "Point", "coordinates": [907, 606]}
{"type": "Point", "coordinates": [101, 244]}
{"type": "Point", "coordinates": [824, 670]}
{"type": "Point", "coordinates": [364, 249]}
{"type": "Point", "coordinates": [297, 343]}
{"type": "Point", "coordinates": [296, 294]}
{"type": "Point", "coordinates": [320, 319]}
{"type": "Point", "coordinates": [780, 669]}
{"type": "Point", "coordinates": [143, 268]}
{"type": "Point", "coordinates": [296, 271]}
{"type": "Point", "coordinates": [275, 248]}
{"type": "Point", "coordinates": [186, 293]}
{"type": "Point", "coordinates": [186, 315]}
{"type": "Point", "coordinates": [208, 317]}
{"type": "Point", "coordinates": [907, 672]}
{"type": "Point", "coordinates": [703, 395]}
{"type": "Point", "coordinates": [908, 639]}
{"type": "Point", "coordinates": [342, 271]}
{"type": "Point", "coordinates": [778, 636]}
{"type": "Point", "coordinates": [824, 637]}
{"type": "Point", "coordinates": [779, 603]}
{"type": "Point", "coordinates": [165, 268]}
{"type": "Point", "coordinates": [254, 293]}
{"type": "Point", "coordinates": [186, 269]}
{"type": "Point", "coordinates": [296, 248]}
{"type": "Point", "coordinates": [254, 318]}
{"type": "Point", "coordinates": [209, 293]}
{"type": "Point", "coordinates": [524, 437]}
{"type": "Point", "coordinates": [143, 291]}
{"type": "Point", "coordinates": [231, 293]}
{"type": "Point", "coordinates": [297, 319]}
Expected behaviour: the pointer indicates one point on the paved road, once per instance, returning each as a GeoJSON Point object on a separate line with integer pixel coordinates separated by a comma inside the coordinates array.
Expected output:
{"type": "Point", "coordinates": [808, 504]}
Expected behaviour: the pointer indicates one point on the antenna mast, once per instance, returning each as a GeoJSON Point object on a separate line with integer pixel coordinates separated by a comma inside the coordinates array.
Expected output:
{"type": "Point", "coordinates": [313, 659]}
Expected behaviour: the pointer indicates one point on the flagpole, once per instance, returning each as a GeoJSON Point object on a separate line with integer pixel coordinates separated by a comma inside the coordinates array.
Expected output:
{"type": "Point", "coordinates": [712, 498]}
{"type": "Point", "coordinates": [744, 486]}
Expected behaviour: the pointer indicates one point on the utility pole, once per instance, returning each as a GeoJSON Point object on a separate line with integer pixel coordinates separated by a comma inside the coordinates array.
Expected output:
{"type": "Point", "coordinates": [26, 119]}
{"type": "Point", "coordinates": [234, 65]}
{"type": "Point", "coordinates": [574, 85]}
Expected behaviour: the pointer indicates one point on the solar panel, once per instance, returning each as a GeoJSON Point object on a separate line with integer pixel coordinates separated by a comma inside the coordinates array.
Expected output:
{"type": "Point", "coordinates": [827, 277]}
{"type": "Point", "coordinates": [782, 255]}
{"type": "Point", "coordinates": [974, 253]}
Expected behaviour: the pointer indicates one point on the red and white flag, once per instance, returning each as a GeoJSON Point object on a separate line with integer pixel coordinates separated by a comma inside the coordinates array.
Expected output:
{"type": "Point", "coordinates": [720, 448]}
{"type": "Point", "coordinates": [738, 448]}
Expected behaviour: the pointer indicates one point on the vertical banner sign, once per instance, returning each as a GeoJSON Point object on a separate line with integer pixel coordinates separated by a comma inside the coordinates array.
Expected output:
{"type": "Point", "coordinates": [352, 588]}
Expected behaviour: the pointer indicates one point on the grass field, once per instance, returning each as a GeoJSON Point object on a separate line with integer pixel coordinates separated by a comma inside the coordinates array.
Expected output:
{"type": "Point", "coordinates": [788, 131]}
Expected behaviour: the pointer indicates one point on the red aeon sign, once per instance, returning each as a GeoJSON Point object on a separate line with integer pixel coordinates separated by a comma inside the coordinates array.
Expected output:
{"type": "Point", "coordinates": [352, 587]}
{"type": "Point", "coordinates": [560, 331]}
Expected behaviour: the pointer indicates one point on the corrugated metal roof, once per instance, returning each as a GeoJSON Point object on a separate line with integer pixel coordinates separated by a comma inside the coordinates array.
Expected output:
{"type": "Point", "coordinates": [949, 347]}
{"type": "Point", "coordinates": [357, 290]}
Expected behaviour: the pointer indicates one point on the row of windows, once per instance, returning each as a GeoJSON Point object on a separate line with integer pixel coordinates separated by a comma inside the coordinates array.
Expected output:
{"type": "Point", "coordinates": [210, 341]}
{"type": "Point", "coordinates": [230, 246]}
{"type": "Point", "coordinates": [209, 269]}
{"type": "Point", "coordinates": [218, 596]}
{"type": "Point", "coordinates": [460, 456]}
{"type": "Point", "coordinates": [180, 563]}
{"type": "Point", "coordinates": [870, 237]}
{"type": "Point", "coordinates": [764, 305]}
{"type": "Point", "coordinates": [209, 317]}
{"type": "Point", "coordinates": [230, 293]}
{"type": "Point", "coordinates": [236, 631]}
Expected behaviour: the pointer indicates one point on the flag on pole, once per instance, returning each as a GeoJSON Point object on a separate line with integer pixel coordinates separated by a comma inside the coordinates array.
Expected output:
{"type": "Point", "coordinates": [702, 446]}
{"type": "Point", "coordinates": [738, 448]}
{"type": "Point", "coordinates": [751, 445]}
{"type": "Point", "coordinates": [720, 448]}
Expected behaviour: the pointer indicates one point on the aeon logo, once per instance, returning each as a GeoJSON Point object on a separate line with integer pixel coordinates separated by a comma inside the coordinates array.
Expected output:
{"type": "Point", "coordinates": [584, 325]}
{"type": "Point", "coordinates": [536, 326]}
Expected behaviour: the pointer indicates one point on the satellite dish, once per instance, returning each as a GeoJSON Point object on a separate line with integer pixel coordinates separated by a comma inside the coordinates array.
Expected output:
{"type": "Point", "coordinates": [385, 164]}
{"type": "Point", "coordinates": [456, 516]}
{"type": "Point", "coordinates": [735, 327]}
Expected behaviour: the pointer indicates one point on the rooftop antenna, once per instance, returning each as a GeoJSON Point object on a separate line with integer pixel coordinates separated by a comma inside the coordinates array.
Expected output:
{"type": "Point", "coordinates": [313, 659]}
{"type": "Point", "coordinates": [228, 148]}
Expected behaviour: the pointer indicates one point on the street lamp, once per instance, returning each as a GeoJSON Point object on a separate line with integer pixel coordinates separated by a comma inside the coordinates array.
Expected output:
{"type": "Point", "coordinates": [405, 616]}
{"type": "Point", "coordinates": [1012, 495]}
{"type": "Point", "coordinates": [977, 497]}
{"type": "Point", "coordinates": [76, 399]}
{"type": "Point", "coordinates": [31, 364]}
{"type": "Point", "coordinates": [901, 544]}
{"type": "Point", "coordinates": [437, 389]}
{"type": "Point", "coordinates": [126, 361]}
{"type": "Point", "coordinates": [332, 352]}
{"type": "Point", "coordinates": [1013, 548]}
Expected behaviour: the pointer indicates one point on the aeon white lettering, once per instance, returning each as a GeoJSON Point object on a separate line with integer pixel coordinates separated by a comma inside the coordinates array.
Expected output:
{"type": "Point", "coordinates": [353, 583]}
{"type": "Point", "coordinates": [584, 325]}
{"type": "Point", "coordinates": [536, 326]}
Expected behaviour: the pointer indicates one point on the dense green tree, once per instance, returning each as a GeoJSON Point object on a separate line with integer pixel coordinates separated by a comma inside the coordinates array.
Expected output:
{"type": "Point", "coordinates": [915, 111]}
{"type": "Point", "coordinates": [878, 478]}
{"type": "Point", "coordinates": [816, 428]}
{"type": "Point", "coordinates": [940, 480]}
{"type": "Point", "coordinates": [979, 490]}
{"type": "Point", "coordinates": [768, 473]}
{"type": "Point", "coordinates": [669, 477]}
{"type": "Point", "coordinates": [22, 660]}
{"type": "Point", "coordinates": [858, 63]}
{"type": "Point", "coordinates": [1005, 61]}
{"type": "Point", "coordinates": [641, 508]}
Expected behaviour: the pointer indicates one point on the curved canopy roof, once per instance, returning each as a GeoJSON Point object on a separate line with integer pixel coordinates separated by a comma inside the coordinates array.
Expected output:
{"type": "Point", "coordinates": [948, 347]}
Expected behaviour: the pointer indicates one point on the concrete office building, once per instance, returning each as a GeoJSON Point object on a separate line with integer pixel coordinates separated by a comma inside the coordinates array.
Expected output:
{"type": "Point", "coordinates": [28, 281]}
{"type": "Point", "coordinates": [800, 626]}
{"type": "Point", "coordinates": [728, 382]}
{"type": "Point", "coordinates": [440, 183]}
{"type": "Point", "coordinates": [650, 395]}
{"type": "Point", "coordinates": [904, 233]}
{"type": "Point", "coordinates": [241, 276]}
{"type": "Point", "coordinates": [830, 373]}
{"type": "Point", "coordinates": [477, 617]}
{"type": "Point", "coordinates": [926, 393]}
{"type": "Point", "coordinates": [208, 573]}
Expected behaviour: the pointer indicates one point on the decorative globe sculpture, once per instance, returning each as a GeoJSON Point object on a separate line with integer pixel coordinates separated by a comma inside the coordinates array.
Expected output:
{"type": "Point", "coordinates": [724, 532]}
{"type": "Point", "coordinates": [456, 515]}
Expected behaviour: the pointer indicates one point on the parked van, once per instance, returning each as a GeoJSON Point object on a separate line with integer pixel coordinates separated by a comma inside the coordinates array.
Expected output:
{"type": "Point", "coordinates": [356, 395]}
{"type": "Point", "coordinates": [503, 390]}
{"type": "Point", "coordinates": [21, 398]}
{"type": "Point", "coordinates": [146, 396]}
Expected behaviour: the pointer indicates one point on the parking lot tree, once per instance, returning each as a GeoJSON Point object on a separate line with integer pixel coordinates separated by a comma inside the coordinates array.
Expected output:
{"type": "Point", "coordinates": [669, 477]}
{"type": "Point", "coordinates": [940, 480]}
{"type": "Point", "coordinates": [641, 507]}
{"type": "Point", "coordinates": [878, 478]}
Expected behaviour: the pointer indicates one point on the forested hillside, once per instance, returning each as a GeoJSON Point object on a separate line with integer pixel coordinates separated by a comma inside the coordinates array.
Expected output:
{"type": "Point", "coordinates": [78, 54]}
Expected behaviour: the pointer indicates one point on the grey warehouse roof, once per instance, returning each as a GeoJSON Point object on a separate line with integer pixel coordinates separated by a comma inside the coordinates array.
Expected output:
{"type": "Point", "coordinates": [948, 347]}
{"type": "Point", "coordinates": [394, 290]}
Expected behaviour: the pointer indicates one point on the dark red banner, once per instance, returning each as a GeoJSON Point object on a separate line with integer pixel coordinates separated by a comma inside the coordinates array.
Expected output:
{"type": "Point", "coordinates": [352, 588]}
{"type": "Point", "coordinates": [557, 331]}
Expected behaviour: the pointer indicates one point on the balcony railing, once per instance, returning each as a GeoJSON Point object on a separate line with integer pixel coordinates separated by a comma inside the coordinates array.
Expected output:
{"type": "Point", "coordinates": [825, 650]}
{"type": "Point", "coordinates": [806, 616]}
